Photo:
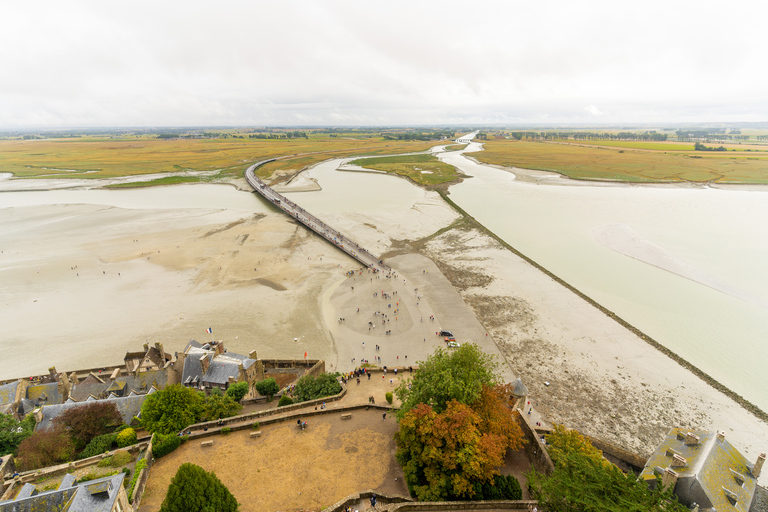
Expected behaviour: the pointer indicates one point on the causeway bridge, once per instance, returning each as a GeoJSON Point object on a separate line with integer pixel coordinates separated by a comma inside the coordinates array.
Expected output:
{"type": "Point", "coordinates": [300, 214]}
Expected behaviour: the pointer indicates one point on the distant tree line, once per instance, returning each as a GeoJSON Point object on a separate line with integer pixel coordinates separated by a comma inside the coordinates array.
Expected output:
{"type": "Point", "coordinates": [646, 136]}
{"type": "Point", "coordinates": [701, 147]}
{"type": "Point", "coordinates": [424, 135]}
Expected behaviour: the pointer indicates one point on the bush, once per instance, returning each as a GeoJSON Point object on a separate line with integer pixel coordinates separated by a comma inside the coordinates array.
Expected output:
{"type": "Point", "coordinates": [45, 449]}
{"type": "Point", "coordinates": [93, 476]}
{"type": "Point", "coordinates": [90, 421]}
{"type": "Point", "coordinates": [194, 489]}
{"type": "Point", "coordinates": [126, 437]}
{"type": "Point", "coordinates": [284, 400]}
{"type": "Point", "coordinates": [499, 488]}
{"type": "Point", "coordinates": [98, 445]}
{"type": "Point", "coordinates": [225, 430]}
{"type": "Point", "coordinates": [165, 444]}
{"type": "Point", "coordinates": [139, 466]}
{"type": "Point", "coordinates": [310, 388]}
{"type": "Point", "coordinates": [119, 458]}
{"type": "Point", "coordinates": [267, 387]}
{"type": "Point", "coordinates": [255, 426]}
{"type": "Point", "coordinates": [388, 396]}
{"type": "Point", "coordinates": [172, 409]}
{"type": "Point", "coordinates": [237, 391]}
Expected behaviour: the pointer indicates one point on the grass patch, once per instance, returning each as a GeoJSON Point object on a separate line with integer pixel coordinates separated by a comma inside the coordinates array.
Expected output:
{"type": "Point", "coordinates": [607, 163]}
{"type": "Point", "coordinates": [130, 155]}
{"type": "Point", "coordinates": [423, 169]}
{"type": "Point", "coordinates": [168, 180]}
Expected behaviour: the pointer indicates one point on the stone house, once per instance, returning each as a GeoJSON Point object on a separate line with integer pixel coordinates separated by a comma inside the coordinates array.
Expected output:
{"type": "Point", "coordinates": [150, 359]}
{"type": "Point", "coordinates": [101, 495]}
{"type": "Point", "coordinates": [211, 366]}
{"type": "Point", "coordinates": [707, 472]}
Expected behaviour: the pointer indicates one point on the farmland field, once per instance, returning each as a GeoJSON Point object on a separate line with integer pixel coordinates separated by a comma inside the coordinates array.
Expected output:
{"type": "Point", "coordinates": [587, 162]}
{"type": "Point", "coordinates": [107, 158]}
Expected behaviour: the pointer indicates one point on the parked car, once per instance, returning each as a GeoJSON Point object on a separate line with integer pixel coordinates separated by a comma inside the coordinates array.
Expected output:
{"type": "Point", "coordinates": [453, 344]}
{"type": "Point", "coordinates": [450, 338]}
{"type": "Point", "coordinates": [446, 333]}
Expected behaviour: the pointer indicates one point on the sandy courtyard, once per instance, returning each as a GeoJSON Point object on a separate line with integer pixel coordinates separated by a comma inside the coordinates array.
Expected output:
{"type": "Point", "coordinates": [289, 469]}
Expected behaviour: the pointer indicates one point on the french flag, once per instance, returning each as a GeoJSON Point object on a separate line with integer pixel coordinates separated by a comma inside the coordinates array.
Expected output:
{"type": "Point", "coordinates": [209, 330]}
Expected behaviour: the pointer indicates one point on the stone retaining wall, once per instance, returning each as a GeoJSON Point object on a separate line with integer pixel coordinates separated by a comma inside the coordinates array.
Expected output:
{"type": "Point", "coordinates": [534, 448]}
{"type": "Point", "coordinates": [141, 481]}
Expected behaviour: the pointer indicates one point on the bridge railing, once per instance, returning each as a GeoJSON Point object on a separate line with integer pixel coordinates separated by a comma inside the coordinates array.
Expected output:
{"type": "Point", "coordinates": [321, 228]}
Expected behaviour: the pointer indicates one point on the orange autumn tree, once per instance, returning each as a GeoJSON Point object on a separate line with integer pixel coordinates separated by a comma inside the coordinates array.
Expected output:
{"type": "Point", "coordinates": [444, 455]}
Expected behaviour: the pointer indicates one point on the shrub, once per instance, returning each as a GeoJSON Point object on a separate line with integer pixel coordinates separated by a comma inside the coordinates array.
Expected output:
{"type": "Point", "coordinates": [45, 449]}
{"type": "Point", "coordinates": [194, 489]}
{"type": "Point", "coordinates": [93, 476]}
{"type": "Point", "coordinates": [98, 445]}
{"type": "Point", "coordinates": [127, 474]}
{"type": "Point", "coordinates": [255, 426]}
{"type": "Point", "coordinates": [499, 488]}
{"type": "Point", "coordinates": [309, 387]}
{"type": "Point", "coordinates": [267, 387]}
{"type": "Point", "coordinates": [237, 391]}
{"type": "Point", "coordinates": [388, 396]}
{"type": "Point", "coordinates": [139, 466]}
{"type": "Point", "coordinates": [225, 430]}
{"type": "Point", "coordinates": [284, 400]}
{"type": "Point", "coordinates": [13, 432]}
{"type": "Point", "coordinates": [165, 444]}
{"type": "Point", "coordinates": [126, 437]}
{"type": "Point", "coordinates": [119, 458]}
{"type": "Point", "coordinates": [89, 421]}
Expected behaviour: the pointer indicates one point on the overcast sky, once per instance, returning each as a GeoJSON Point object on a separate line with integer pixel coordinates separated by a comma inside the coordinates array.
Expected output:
{"type": "Point", "coordinates": [282, 63]}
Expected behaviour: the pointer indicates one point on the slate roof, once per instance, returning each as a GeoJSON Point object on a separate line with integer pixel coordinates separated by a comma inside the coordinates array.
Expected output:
{"type": "Point", "coordinates": [8, 392]}
{"type": "Point", "coordinates": [121, 386]}
{"type": "Point", "coordinates": [25, 406]}
{"type": "Point", "coordinates": [127, 406]}
{"type": "Point", "coordinates": [709, 471]}
{"type": "Point", "coordinates": [518, 388]}
{"type": "Point", "coordinates": [220, 368]}
{"type": "Point", "coordinates": [93, 496]}
{"type": "Point", "coordinates": [49, 391]}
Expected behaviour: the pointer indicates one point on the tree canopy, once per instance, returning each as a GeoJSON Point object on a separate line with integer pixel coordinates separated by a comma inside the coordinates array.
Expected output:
{"type": "Point", "coordinates": [195, 490]}
{"type": "Point", "coordinates": [309, 387]}
{"type": "Point", "coordinates": [237, 391]}
{"type": "Point", "coordinates": [446, 455]}
{"type": "Point", "coordinates": [171, 409]}
{"type": "Point", "coordinates": [268, 387]}
{"type": "Point", "coordinates": [583, 481]}
{"type": "Point", "coordinates": [89, 421]}
{"type": "Point", "coordinates": [13, 432]}
{"type": "Point", "coordinates": [458, 375]}
{"type": "Point", "coordinates": [219, 405]}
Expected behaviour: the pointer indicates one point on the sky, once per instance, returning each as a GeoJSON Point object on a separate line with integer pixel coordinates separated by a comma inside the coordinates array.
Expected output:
{"type": "Point", "coordinates": [363, 63]}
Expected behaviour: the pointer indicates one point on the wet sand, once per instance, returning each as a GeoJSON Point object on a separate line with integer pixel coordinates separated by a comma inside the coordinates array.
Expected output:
{"type": "Point", "coordinates": [261, 281]}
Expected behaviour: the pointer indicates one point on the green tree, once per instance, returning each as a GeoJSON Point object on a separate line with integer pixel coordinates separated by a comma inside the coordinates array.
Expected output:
{"type": "Point", "coordinates": [218, 405]}
{"type": "Point", "coordinates": [195, 490]}
{"type": "Point", "coordinates": [268, 387]}
{"type": "Point", "coordinates": [171, 409]}
{"type": "Point", "coordinates": [126, 437]}
{"type": "Point", "coordinates": [89, 421]}
{"type": "Point", "coordinates": [237, 391]}
{"type": "Point", "coordinates": [13, 432]}
{"type": "Point", "coordinates": [583, 481]}
{"type": "Point", "coordinates": [309, 387]}
{"type": "Point", "coordinates": [456, 375]}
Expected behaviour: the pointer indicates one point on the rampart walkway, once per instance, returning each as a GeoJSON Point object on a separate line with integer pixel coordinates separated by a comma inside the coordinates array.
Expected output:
{"type": "Point", "coordinates": [312, 222]}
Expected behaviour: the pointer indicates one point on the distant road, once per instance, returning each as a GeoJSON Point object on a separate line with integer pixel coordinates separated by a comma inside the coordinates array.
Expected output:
{"type": "Point", "coordinates": [324, 230]}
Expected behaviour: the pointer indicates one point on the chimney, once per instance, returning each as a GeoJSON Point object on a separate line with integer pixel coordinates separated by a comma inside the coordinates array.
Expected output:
{"type": "Point", "coordinates": [204, 363]}
{"type": "Point", "coordinates": [678, 461]}
{"type": "Point", "coordinates": [159, 348]}
{"type": "Point", "coordinates": [668, 478]}
{"type": "Point", "coordinates": [73, 379]}
{"type": "Point", "coordinates": [146, 348]}
{"type": "Point", "coordinates": [52, 372]}
{"type": "Point", "coordinates": [758, 467]}
{"type": "Point", "coordinates": [720, 436]}
{"type": "Point", "coordinates": [691, 438]}
{"type": "Point", "coordinates": [220, 347]}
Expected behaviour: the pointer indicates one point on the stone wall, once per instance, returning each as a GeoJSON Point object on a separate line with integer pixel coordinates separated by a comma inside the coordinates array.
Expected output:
{"type": "Point", "coordinates": [534, 448]}
{"type": "Point", "coordinates": [141, 481]}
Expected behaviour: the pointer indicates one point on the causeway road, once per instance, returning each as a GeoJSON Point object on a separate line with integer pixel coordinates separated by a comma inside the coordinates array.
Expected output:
{"type": "Point", "coordinates": [324, 230]}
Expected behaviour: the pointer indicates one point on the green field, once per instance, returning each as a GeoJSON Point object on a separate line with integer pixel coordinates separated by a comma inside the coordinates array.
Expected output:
{"type": "Point", "coordinates": [422, 169]}
{"type": "Point", "coordinates": [584, 161]}
{"type": "Point", "coordinates": [111, 157]}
